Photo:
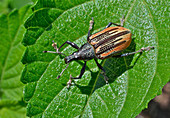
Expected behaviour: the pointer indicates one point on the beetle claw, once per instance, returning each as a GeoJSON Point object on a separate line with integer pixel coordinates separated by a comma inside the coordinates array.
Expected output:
{"type": "Point", "coordinates": [55, 46]}
{"type": "Point", "coordinates": [69, 82]}
{"type": "Point", "coordinates": [147, 48]}
{"type": "Point", "coordinates": [122, 20]}
{"type": "Point", "coordinates": [106, 79]}
{"type": "Point", "coordinates": [91, 24]}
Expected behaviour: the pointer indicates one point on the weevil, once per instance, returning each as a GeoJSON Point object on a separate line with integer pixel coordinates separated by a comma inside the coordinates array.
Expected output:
{"type": "Point", "coordinates": [106, 43]}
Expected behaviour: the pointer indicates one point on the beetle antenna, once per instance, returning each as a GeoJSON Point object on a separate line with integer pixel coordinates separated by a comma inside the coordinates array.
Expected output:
{"type": "Point", "coordinates": [54, 52]}
{"type": "Point", "coordinates": [63, 71]}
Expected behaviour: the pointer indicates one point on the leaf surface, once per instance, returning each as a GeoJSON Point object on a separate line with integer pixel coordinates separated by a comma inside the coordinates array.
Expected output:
{"type": "Point", "coordinates": [11, 88]}
{"type": "Point", "coordinates": [134, 80]}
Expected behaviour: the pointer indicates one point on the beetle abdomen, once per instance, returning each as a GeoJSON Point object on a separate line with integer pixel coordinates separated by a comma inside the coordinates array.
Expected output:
{"type": "Point", "coordinates": [110, 41]}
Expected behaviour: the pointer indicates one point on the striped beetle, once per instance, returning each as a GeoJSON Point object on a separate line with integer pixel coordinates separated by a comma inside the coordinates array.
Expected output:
{"type": "Point", "coordinates": [104, 44]}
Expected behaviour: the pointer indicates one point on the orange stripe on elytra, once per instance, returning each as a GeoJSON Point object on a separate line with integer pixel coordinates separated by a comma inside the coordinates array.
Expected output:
{"type": "Point", "coordinates": [93, 43]}
{"type": "Point", "coordinates": [120, 47]}
{"type": "Point", "coordinates": [101, 32]}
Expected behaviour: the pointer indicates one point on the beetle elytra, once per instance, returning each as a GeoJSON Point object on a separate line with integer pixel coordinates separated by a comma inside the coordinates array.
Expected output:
{"type": "Point", "coordinates": [104, 44]}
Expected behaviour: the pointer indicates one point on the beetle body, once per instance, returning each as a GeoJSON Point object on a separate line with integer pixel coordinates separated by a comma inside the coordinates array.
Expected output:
{"type": "Point", "coordinates": [101, 45]}
{"type": "Point", "coordinates": [110, 41]}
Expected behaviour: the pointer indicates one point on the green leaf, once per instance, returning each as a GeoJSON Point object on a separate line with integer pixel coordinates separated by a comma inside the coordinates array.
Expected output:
{"type": "Point", "coordinates": [11, 89]}
{"type": "Point", "coordinates": [134, 80]}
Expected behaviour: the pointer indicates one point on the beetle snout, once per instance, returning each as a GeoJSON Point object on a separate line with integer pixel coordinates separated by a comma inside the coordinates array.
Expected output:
{"type": "Point", "coordinates": [74, 56]}
{"type": "Point", "coordinates": [68, 59]}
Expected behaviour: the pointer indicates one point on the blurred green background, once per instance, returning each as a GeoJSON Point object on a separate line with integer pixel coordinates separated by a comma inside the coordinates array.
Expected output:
{"type": "Point", "coordinates": [11, 107]}
{"type": "Point", "coordinates": [8, 5]}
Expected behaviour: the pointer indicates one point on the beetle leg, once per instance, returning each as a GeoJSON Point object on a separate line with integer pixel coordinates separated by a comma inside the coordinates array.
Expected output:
{"type": "Point", "coordinates": [131, 53]}
{"type": "Point", "coordinates": [79, 77]}
{"type": "Point", "coordinates": [111, 24]}
{"type": "Point", "coordinates": [103, 71]}
{"type": "Point", "coordinates": [122, 20]}
{"type": "Point", "coordinates": [121, 23]}
{"type": "Point", "coordinates": [55, 47]}
{"type": "Point", "coordinates": [70, 43]}
{"type": "Point", "coordinates": [81, 73]}
{"type": "Point", "coordinates": [90, 28]}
